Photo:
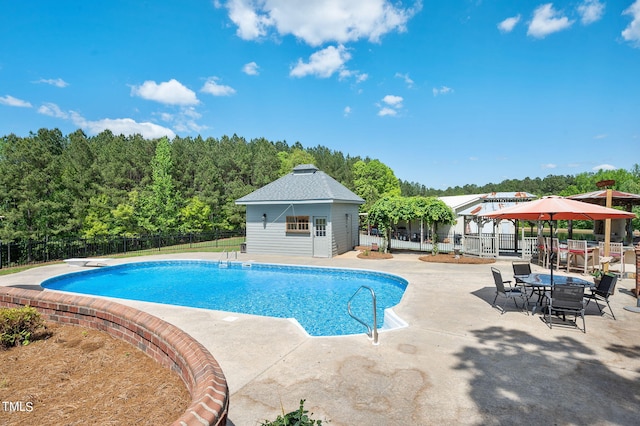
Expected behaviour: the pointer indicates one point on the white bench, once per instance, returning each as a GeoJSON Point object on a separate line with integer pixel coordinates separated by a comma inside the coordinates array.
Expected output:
{"type": "Point", "coordinates": [85, 261]}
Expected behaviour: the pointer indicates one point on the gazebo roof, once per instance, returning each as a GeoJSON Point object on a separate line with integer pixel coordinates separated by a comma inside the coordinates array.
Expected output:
{"type": "Point", "coordinates": [618, 198]}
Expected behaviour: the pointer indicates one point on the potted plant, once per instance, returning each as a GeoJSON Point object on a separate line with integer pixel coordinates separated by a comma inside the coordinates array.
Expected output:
{"type": "Point", "coordinates": [597, 276]}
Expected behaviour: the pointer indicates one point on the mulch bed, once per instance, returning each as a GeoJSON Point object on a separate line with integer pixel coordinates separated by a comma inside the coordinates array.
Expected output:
{"type": "Point", "coordinates": [451, 258]}
{"type": "Point", "coordinates": [76, 376]}
{"type": "Point", "coordinates": [367, 253]}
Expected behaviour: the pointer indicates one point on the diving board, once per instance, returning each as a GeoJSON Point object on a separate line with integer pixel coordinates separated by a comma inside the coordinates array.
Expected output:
{"type": "Point", "coordinates": [87, 261]}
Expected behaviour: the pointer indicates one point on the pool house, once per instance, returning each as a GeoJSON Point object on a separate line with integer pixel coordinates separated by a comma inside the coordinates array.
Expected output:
{"type": "Point", "coordinates": [304, 213]}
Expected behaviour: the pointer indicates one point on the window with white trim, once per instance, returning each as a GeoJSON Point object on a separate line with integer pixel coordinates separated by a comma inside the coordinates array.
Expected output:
{"type": "Point", "coordinates": [297, 224]}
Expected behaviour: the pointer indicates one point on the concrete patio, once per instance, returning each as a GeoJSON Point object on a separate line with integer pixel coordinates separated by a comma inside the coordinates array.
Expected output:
{"type": "Point", "coordinates": [458, 362]}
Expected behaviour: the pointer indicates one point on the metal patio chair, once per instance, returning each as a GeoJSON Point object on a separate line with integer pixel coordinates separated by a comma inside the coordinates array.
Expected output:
{"type": "Point", "coordinates": [520, 268]}
{"type": "Point", "coordinates": [605, 288]}
{"type": "Point", "coordinates": [506, 290]}
{"type": "Point", "coordinates": [566, 299]}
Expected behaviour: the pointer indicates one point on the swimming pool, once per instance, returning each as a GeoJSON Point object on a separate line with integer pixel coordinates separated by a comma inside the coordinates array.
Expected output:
{"type": "Point", "coordinates": [316, 297]}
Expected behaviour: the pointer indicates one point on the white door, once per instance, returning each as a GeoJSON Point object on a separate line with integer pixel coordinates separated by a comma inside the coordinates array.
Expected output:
{"type": "Point", "coordinates": [320, 237]}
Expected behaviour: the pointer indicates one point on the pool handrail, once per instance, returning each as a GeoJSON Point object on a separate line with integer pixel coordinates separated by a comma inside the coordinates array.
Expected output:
{"type": "Point", "coordinates": [371, 332]}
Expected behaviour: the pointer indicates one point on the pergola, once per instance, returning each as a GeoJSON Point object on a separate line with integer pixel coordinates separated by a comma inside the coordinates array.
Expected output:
{"type": "Point", "coordinates": [618, 198]}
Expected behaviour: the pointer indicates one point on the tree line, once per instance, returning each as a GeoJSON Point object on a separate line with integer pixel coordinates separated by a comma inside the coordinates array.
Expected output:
{"type": "Point", "coordinates": [54, 185]}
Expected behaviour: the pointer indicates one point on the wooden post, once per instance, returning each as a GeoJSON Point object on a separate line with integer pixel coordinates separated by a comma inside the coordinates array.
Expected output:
{"type": "Point", "coordinates": [607, 223]}
{"type": "Point", "coordinates": [607, 232]}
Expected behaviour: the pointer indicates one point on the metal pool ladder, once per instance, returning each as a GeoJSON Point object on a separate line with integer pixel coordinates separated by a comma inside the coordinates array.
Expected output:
{"type": "Point", "coordinates": [371, 332]}
{"type": "Point", "coordinates": [225, 262]}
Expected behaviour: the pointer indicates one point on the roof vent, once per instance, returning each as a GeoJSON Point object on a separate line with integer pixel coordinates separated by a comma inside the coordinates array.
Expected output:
{"type": "Point", "coordinates": [304, 168]}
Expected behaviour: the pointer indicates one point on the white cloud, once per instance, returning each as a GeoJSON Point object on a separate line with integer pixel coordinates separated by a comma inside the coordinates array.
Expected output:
{"type": "Point", "coordinates": [604, 167]}
{"type": "Point", "coordinates": [392, 104]}
{"type": "Point", "coordinates": [600, 136]}
{"type": "Point", "coordinates": [170, 92]}
{"type": "Point", "coordinates": [347, 111]}
{"type": "Point", "coordinates": [184, 120]}
{"type": "Point", "coordinates": [14, 102]}
{"type": "Point", "coordinates": [320, 21]}
{"type": "Point", "coordinates": [360, 77]}
{"type": "Point", "coordinates": [406, 79]}
{"type": "Point", "coordinates": [250, 24]}
{"type": "Point", "coordinates": [125, 126]}
{"type": "Point", "coordinates": [546, 20]}
{"type": "Point", "coordinates": [590, 11]}
{"type": "Point", "coordinates": [508, 24]}
{"type": "Point", "coordinates": [632, 32]}
{"type": "Point", "coordinates": [251, 68]}
{"type": "Point", "coordinates": [128, 127]}
{"type": "Point", "coordinates": [387, 111]}
{"type": "Point", "coordinates": [549, 166]}
{"type": "Point", "coordinates": [52, 110]}
{"type": "Point", "coordinates": [394, 101]}
{"type": "Point", "coordinates": [346, 73]}
{"type": "Point", "coordinates": [444, 90]}
{"type": "Point", "coordinates": [58, 82]}
{"type": "Point", "coordinates": [322, 63]}
{"type": "Point", "coordinates": [213, 88]}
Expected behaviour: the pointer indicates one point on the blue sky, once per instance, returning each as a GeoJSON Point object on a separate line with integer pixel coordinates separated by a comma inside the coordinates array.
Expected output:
{"type": "Point", "coordinates": [444, 92]}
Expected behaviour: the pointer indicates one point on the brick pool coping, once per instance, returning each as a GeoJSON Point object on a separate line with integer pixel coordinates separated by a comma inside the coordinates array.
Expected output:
{"type": "Point", "coordinates": [166, 344]}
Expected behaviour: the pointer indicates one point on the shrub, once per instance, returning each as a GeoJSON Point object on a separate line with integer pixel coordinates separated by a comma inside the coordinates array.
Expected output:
{"type": "Point", "coordinates": [294, 418]}
{"type": "Point", "coordinates": [17, 325]}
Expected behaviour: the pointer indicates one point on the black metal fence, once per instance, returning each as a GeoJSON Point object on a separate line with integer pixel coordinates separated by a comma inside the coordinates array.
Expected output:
{"type": "Point", "coordinates": [33, 252]}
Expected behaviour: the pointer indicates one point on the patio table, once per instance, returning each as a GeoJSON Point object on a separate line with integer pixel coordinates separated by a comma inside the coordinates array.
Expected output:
{"type": "Point", "coordinates": [541, 282]}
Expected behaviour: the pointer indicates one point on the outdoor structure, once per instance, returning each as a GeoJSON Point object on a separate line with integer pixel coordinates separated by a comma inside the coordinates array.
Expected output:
{"type": "Point", "coordinates": [550, 209]}
{"type": "Point", "coordinates": [460, 203]}
{"type": "Point", "coordinates": [304, 213]}
{"type": "Point", "coordinates": [468, 209]}
{"type": "Point", "coordinates": [414, 235]}
{"type": "Point", "coordinates": [473, 223]}
{"type": "Point", "coordinates": [621, 230]}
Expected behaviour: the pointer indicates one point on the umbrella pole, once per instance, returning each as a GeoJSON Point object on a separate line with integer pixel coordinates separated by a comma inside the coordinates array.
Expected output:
{"type": "Point", "coordinates": [607, 234]}
{"type": "Point", "coordinates": [551, 246]}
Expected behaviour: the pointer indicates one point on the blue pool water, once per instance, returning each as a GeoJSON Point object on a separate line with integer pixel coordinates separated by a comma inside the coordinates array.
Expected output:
{"type": "Point", "coordinates": [316, 297]}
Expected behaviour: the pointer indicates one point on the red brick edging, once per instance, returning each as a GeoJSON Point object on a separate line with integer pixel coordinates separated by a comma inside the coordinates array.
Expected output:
{"type": "Point", "coordinates": [165, 343]}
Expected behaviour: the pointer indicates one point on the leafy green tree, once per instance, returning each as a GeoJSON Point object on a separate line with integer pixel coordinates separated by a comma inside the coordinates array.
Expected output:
{"type": "Point", "coordinates": [128, 218]}
{"type": "Point", "coordinates": [372, 180]}
{"type": "Point", "coordinates": [98, 221]}
{"type": "Point", "coordinates": [387, 211]}
{"type": "Point", "coordinates": [159, 203]}
{"type": "Point", "coordinates": [31, 190]}
{"type": "Point", "coordinates": [195, 216]}
{"type": "Point", "coordinates": [432, 211]}
{"type": "Point", "coordinates": [80, 180]}
{"type": "Point", "coordinates": [265, 162]}
{"type": "Point", "coordinates": [54, 186]}
{"type": "Point", "coordinates": [335, 164]}
{"type": "Point", "coordinates": [297, 156]}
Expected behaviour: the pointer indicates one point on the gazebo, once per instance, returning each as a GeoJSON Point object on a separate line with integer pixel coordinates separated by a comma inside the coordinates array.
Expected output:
{"type": "Point", "coordinates": [618, 198]}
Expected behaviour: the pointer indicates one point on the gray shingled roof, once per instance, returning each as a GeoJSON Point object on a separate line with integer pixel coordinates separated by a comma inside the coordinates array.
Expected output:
{"type": "Point", "coordinates": [305, 183]}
